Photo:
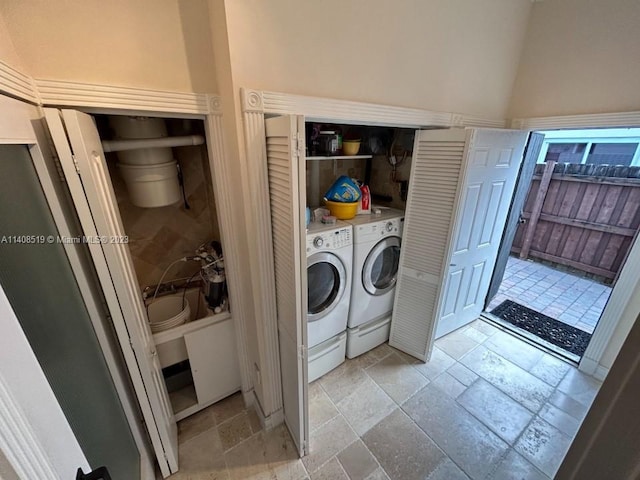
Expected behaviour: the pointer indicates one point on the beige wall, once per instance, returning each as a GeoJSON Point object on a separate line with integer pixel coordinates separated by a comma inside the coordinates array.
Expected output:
{"type": "Point", "coordinates": [443, 55]}
{"type": "Point", "coordinates": [159, 44]}
{"type": "Point", "coordinates": [580, 56]}
{"type": "Point", "coordinates": [8, 52]}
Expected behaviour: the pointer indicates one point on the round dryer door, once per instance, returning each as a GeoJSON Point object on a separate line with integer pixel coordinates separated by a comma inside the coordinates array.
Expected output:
{"type": "Point", "coordinates": [380, 270]}
{"type": "Point", "coordinates": [326, 279]}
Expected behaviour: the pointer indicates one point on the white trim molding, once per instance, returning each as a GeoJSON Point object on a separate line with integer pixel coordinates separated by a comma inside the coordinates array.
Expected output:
{"type": "Point", "coordinates": [222, 183]}
{"type": "Point", "coordinates": [17, 83]}
{"type": "Point", "coordinates": [261, 251]}
{"type": "Point", "coordinates": [613, 316]}
{"type": "Point", "coordinates": [18, 441]}
{"type": "Point", "coordinates": [593, 120]}
{"type": "Point", "coordinates": [77, 94]}
{"type": "Point", "coordinates": [326, 109]}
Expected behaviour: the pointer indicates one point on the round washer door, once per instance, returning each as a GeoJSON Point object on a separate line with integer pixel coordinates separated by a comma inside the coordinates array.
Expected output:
{"type": "Point", "coordinates": [380, 271]}
{"type": "Point", "coordinates": [326, 279]}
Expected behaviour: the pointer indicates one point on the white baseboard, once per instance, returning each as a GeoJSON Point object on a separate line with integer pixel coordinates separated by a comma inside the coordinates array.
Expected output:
{"type": "Point", "coordinates": [601, 373]}
{"type": "Point", "coordinates": [267, 421]}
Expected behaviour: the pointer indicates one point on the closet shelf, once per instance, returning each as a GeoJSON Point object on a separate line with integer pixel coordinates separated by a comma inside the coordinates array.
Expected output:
{"type": "Point", "coordinates": [341, 157]}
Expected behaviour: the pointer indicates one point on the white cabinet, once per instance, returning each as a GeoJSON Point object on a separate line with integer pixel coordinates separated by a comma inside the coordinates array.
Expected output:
{"type": "Point", "coordinates": [208, 345]}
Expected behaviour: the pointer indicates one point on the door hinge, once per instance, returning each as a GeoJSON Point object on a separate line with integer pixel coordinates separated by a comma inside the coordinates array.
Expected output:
{"type": "Point", "coordinates": [297, 144]}
{"type": "Point", "coordinates": [75, 163]}
{"type": "Point", "coordinates": [302, 352]}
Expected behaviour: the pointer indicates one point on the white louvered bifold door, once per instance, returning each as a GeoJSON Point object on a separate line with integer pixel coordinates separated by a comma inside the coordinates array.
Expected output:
{"type": "Point", "coordinates": [286, 165]}
{"type": "Point", "coordinates": [433, 187]}
{"type": "Point", "coordinates": [460, 190]}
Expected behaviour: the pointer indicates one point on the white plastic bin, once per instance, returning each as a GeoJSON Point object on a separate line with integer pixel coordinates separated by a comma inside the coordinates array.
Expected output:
{"type": "Point", "coordinates": [152, 185]}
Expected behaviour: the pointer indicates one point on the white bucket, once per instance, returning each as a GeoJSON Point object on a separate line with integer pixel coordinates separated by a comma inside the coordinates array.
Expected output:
{"type": "Point", "coordinates": [138, 127]}
{"type": "Point", "coordinates": [152, 185]}
{"type": "Point", "coordinates": [168, 312]}
{"type": "Point", "coordinates": [145, 156]}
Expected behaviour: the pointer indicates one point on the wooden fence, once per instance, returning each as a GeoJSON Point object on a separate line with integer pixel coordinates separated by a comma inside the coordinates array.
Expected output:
{"type": "Point", "coordinates": [582, 216]}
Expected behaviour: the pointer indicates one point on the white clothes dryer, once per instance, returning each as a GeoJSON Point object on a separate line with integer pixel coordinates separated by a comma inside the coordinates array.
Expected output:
{"type": "Point", "coordinates": [376, 255]}
{"type": "Point", "coordinates": [329, 269]}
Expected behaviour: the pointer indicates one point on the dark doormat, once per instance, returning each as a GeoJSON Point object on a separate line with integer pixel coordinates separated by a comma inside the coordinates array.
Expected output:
{"type": "Point", "coordinates": [559, 334]}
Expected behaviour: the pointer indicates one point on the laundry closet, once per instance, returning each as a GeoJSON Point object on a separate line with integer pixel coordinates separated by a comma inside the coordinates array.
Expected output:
{"type": "Point", "coordinates": [352, 264]}
{"type": "Point", "coordinates": [144, 193]}
{"type": "Point", "coordinates": [457, 184]}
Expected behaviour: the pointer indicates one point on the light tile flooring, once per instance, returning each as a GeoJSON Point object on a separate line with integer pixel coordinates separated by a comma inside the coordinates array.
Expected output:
{"type": "Point", "coordinates": [569, 298]}
{"type": "Point", "coordinates": [487, 406]}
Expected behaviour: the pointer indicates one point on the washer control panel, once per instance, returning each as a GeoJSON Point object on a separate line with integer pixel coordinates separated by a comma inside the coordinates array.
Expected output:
{"type": "Point", "coordinates": [329, 240]}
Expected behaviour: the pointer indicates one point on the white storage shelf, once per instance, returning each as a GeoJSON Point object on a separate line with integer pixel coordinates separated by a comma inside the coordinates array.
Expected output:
{"type": "Point", "coordinates": [209, 344]}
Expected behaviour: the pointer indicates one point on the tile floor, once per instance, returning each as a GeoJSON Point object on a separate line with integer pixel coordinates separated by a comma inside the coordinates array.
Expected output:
{"type": "Point", "coordinates": [572, 299]}
{"type": "Point", "coordinates": [487, 406]}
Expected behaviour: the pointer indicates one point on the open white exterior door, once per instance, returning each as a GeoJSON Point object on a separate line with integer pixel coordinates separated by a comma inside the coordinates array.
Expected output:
{"type": "Point", "coordinates": [285, 160]}
{"type": "Point", "coordinates": [82, 159]}
{"type": "Point", "coordinates": [460, 190]}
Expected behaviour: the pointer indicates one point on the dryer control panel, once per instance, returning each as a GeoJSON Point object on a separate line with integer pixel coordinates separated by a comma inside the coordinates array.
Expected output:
{"type": "Point", "coordinates": [329, 240]}
{"type": "Point", "coordinates": [375, 230]}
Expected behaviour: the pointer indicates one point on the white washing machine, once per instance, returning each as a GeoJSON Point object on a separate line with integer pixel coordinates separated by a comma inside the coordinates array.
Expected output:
{"type": "Point", "coordinates": [329, 269]}
{"type": "Point", "coordinates": [376, 256]}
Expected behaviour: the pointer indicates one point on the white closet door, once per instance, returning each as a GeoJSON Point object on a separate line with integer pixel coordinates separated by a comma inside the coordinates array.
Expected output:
{"type": "Point", "coordinates": [85, 169]}
{"type": "Point", "coordinates": [286, 165]}
{"type": "Point", "coordinates": [460, 190]}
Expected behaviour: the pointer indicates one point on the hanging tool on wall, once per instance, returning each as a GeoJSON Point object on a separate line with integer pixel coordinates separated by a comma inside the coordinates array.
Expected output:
{"type": "Point", "coordinates": [399, 151]}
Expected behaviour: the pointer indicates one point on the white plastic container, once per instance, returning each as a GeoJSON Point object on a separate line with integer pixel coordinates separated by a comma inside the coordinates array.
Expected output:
{"type": "Point", "coordinates": [138, 127]}
{"type": "Point", "coordinates": [168, 312]}
{"type": "Point", "coordinates": [152, 185]}
{"type": "Point", "coordinates": [145, 156]}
